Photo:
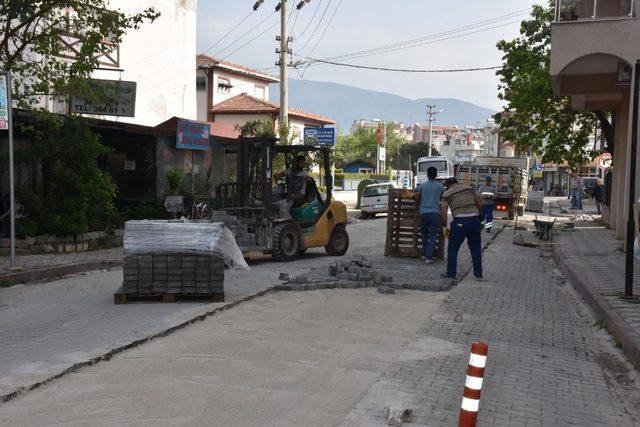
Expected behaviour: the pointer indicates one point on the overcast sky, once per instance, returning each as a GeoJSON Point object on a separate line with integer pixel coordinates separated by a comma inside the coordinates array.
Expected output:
{"type": "Point", "coordinates": [366, 24]}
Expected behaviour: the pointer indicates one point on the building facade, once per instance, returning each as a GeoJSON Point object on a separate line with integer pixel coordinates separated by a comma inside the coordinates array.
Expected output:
{"type": "Point", "coordinates": [161, 64]}
{"type": "Point", "coordinates": [592, 52]}
{"type": "Point", "coordinates": [218, 81]}
{"type": "Point", "coordinates": [244, 108]}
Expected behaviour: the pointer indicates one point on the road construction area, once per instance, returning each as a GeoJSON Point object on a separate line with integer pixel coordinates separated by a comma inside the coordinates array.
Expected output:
{"type": "Point", "coordinates": [322, 357]}
{"type": "Point", "coordinates": [47, 328]}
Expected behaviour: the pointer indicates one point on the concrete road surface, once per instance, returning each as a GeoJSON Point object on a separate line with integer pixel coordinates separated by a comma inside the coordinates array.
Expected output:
{"type": "Point", "coordinates": [46, 328]}
{"type": "Point", "coordinates": [288, 359]}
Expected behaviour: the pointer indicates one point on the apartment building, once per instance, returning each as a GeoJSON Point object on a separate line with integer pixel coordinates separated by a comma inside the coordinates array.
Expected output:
{"type": "Point", "coordinates": [593, 48]}
{"type": "Point", "coordinates": [399, 128]}
{"type": "Point", "coordinates": [218, 81]}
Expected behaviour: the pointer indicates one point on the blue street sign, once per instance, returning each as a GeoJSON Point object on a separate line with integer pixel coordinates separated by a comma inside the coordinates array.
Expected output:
{"type": "Point", "coordinates": [538, 167]}
{"type": "Point", "coordinates": [193, 135]}
{"type": "Point", "coordinates": [320, 136]}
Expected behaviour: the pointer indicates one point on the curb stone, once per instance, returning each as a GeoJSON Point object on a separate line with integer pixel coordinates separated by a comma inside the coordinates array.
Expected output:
{"type": "Point", "coordinates": [55, 272]}
{"type": "Point", "coordinates": [627, 337]}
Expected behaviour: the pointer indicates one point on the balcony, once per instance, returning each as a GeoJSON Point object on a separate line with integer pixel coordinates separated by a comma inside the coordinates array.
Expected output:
{"type": "Point", "coordinates": [593, 10]}
{"type": "Point", "coordinates": [594, 54]}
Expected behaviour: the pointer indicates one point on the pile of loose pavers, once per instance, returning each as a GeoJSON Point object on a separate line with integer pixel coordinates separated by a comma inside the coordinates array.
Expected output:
{"type": "Point", "coordinates": [353, 273]}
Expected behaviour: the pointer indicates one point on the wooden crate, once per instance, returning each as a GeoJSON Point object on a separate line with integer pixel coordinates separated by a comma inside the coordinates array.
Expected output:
{"type": "Point", "coordinates": [403, 227]}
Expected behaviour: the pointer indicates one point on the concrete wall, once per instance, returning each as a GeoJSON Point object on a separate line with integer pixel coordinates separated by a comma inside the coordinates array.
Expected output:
{"type": "Point", "coordinates": [201, 97]}
{"type": "Point", "coordinates": [160, 57]}
{"type": "Point", "coordinates": [573, 40]}
{"type": "Point", "coordinates": [241, 84]}
{"type": "Point", "coordinates": [238, 119]}
{"type": "Point", "coordinates": [202, 170]}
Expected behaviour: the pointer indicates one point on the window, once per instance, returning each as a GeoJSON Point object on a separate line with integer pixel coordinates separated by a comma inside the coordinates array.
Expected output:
{"type": "Point", "coordinates": [224, 85]}
{"type": "Point", "coordinates": [259, 92]}
{"type": "Point", "coordinates": [440, 165]}
{"type": "Point", "coordinates": [201, 83]}
{"type": "Point", "coordinates": [377, 191]}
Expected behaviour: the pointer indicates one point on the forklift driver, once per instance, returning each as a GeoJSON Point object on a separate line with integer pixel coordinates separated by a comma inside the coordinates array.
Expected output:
{"type": "Point", "coordinates": [297, 179]}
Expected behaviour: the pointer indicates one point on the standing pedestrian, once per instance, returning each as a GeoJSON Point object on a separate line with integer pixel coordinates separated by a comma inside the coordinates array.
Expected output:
{"type": "Point", "coordinates": [465, 205]}
{"type": "Point", "coordinates": [575, 191]}
{"type": "Point", "coordinates": [487, 194]}
{"type": "Point", "coordinates": [598, 195]}
{"type": "Point", "coordinates": [430, 195]}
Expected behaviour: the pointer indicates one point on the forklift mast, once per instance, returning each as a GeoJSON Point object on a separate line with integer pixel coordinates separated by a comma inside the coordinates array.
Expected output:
{"type": "Point", "coordinates": [254, 175]}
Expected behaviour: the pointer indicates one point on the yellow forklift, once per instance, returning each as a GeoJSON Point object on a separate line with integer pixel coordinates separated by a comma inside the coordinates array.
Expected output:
{"type": "Point", "coordinates": [252, 206]}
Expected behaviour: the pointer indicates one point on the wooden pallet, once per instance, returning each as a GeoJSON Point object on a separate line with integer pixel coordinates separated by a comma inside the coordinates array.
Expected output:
{"type": "Point", "coordinates": [403, 227]}
{"type": "Point", "coordinates": [120, 297]}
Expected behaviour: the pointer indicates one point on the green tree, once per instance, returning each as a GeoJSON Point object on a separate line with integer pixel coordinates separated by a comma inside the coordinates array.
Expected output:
{"type": "Point", "coordinates": [73, 195]}
{"type": "Point", "coordinates": [34, 45]}
{"type": "Point", "coordinates": [410, 153]}
{"type": "Point", "coordinates": [534, 118]}
{"type": "Point", "coordinates": [264, 128]}
{"type": "Point", "coordinates": [363, 145]}
{"type": "Point", "coordinates": [52, 47]}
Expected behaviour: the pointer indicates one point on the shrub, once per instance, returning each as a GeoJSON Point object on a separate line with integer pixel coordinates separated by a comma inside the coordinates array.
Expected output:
{"type": "Point", "coordinates": [174, 179]}
{"type": "Point", "coordinates": [74, 195]}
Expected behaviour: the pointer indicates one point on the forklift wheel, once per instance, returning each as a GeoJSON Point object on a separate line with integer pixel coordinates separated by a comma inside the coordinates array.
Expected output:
{"type": "Point", "coordinates": [286, 242]}
{"type": "Point", "coordinates": [339, 242]}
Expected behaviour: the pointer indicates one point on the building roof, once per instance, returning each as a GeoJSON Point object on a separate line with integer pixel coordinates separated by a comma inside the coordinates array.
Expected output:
{"type": "Point", "coordinates": [219, 130]}
{"type": "Point", "coordinates": [246, 104]}
{"type": "Point", "coordinates": [204, 61]}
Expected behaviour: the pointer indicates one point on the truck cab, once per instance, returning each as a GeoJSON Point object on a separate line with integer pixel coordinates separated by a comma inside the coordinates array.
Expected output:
{"type": "Point", "coordinates": [442, 165]}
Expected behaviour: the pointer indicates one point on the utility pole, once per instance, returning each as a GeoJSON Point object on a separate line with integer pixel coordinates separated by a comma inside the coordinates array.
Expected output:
{"type": "Point", "coordinates": [284, 64]}
{"type": "Point", "coordinates": [12, 197]}
{"type": "Point", "coordinates": [398, 166]}
{"type": "Point", "coordinates": [431, 117]}
{"type": "Point", "coordinates": [384, 145]}
{"type": "Point", "coordinates": [631, 224]}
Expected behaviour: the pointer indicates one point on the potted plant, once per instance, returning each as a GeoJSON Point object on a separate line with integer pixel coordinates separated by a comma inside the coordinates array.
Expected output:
{"type": "Point", "coordinates": [174, 202]}
{"type": "Point", "coordinates": [568, 11]}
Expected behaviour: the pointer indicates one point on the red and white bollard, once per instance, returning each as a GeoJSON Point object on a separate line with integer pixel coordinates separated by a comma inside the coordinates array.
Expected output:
{"type": "Point", "coordinates": [473, 385]}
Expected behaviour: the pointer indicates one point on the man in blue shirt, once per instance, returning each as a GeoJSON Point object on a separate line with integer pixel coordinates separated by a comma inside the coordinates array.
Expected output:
{"type": "Point", "coordinates": [430, 195]}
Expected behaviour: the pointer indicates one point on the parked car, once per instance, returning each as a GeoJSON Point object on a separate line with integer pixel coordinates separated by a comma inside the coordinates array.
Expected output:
{"type": "Point", "coordinates": [375, 199]}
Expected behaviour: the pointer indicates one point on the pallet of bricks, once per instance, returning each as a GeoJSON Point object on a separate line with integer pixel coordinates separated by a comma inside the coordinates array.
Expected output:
{"type": "Point", "coordinates": [168, 261]}
{"type": "Point", "coordinates": [403, 227]}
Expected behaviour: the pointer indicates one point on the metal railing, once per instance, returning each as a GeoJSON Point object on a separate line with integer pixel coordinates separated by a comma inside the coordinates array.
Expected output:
{"type": "Point", "coordinates": [593, 10]}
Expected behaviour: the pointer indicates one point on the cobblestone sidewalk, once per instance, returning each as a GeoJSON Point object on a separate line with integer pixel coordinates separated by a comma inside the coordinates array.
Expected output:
{"type": "Point", "coordinates": [594, 261]}
{"type": "Point", "coordinates": [548, 365]}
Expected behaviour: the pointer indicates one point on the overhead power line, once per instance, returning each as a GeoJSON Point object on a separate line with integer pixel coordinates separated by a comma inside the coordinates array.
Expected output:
{"type": "Point", "coordinates": [245, 34]}
{"type": "Point", "coordinates": [228, 32]}
{"type": "Point", "coordinates": [406, 70]}
{"type": "Point", "coordinates": [315, 12]}
{"type": "Point", "coordinates": [333, 15]}
{"type": "Point", "coordinates": [252, 40]}
{"type": "Point", "coordinates": [463, 30]}
{"type": "Point", "coordinates": [315, 30]}
{"type": "Point", "coordinates": [322, 35]}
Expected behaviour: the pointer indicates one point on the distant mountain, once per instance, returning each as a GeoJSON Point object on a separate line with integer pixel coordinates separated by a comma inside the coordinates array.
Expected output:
{"type": "Point", "coordinates": [345, 104]}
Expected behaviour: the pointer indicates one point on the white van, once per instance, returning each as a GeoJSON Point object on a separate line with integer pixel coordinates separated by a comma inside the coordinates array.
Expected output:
{"type": "Point", "coordinates": [375, 199]}
{"type": "Point", "coordinates": [442, 165]}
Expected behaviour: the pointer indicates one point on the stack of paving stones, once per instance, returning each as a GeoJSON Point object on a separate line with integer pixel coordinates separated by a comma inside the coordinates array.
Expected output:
{"type": "Point", "coordinates": [173, 273]}
{"type": "Point", "coordinates": [243, 230]}
{"type": "Point", "coordinates": [354, 273]}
